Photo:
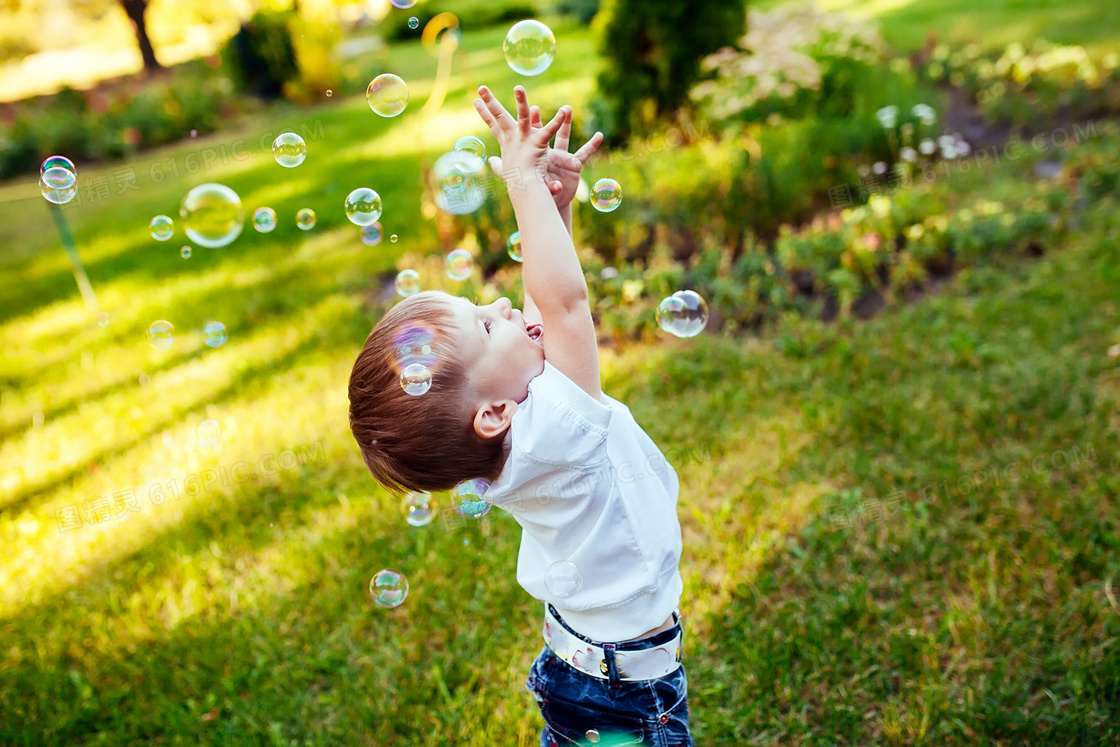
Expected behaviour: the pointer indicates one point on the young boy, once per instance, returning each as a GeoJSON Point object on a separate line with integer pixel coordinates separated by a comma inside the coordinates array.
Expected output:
{"type": "Point", "coordinates": [515, 399]}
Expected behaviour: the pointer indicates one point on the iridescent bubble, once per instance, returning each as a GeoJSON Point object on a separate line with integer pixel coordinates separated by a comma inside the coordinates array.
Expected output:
{"type": "Point", "coordinates": [264, 219]}
{"type": "Point", "coordinates": [387, 95]}
{"type": "Point", "coordinates": [215, 334]}
{"type": "Point", "coordinates": [469, 498]}
{"type": "Point", "coordinates": [305, 219]}
{"type": "Point", "coordinates": [403, 3]}
{"type": "Point", "coordinates": [606, 195]}
{"type": "Point", "coordinates": [185, 252]}
{"type": "Point", "coordinates": [474, 146]}
{"type": "Point", "coordinates": [529, 47]}
{"type": "Point", "coordinates": [371, 234]}
{"type": "Point", "coordinates": [562, 579]}
{"type": "Point", "coordinates": [103, 319]}
{"type": "Point", "coordinates": [393, 239]}
{"type": "Point", "coordinates": [684, 314]}
{"type": "Point", "coordinates": [57, 162]}
{"type": "Point", "coordinates": [413, 22]}
{"type": "Point", "coordinates": [209, 432]}
{"type": "Point", "coordinates": [58, 185]}
{"type": "Point", "coordinates": [460, 264]}
{"type": "Point", "coordinates": [162, 228]}
{"type": "Point", "coordinates": [513, 247]}
{"type": "Point", "coordinates": [363, 206]}
{"type": "Point", "coordinates": [417, 508]}
{"type": "Point", "coordinates": [289, 150]}
{"type": "Point", "coordinates": [212, 215]}
{"type": "Point", "coordinates": [161, 334]}
{"type": "Point", "coordinates": [457, 182]}
{"type": "Point", "coordinates": [408, 283]}
{"type": "Point", "coordinates": [388, 589]}
{"type": "Point", "coordinates": [416, 379]}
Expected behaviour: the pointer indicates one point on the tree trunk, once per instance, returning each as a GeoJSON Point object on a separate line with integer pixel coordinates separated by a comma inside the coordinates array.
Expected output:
{"type": "Point", "coordinates": [135, 10]}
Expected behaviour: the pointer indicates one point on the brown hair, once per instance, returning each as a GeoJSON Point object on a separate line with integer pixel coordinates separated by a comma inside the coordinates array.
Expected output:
{"type": "Point", "coordinates": [426, 442]}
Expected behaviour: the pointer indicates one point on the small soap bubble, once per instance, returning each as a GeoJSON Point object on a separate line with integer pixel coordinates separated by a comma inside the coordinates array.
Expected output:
{"type": "Point", "coordinates": [289, 150]}
{"type": "Point", "coordinates": [388, 589]}
{"type": "Point", "coordinates": [417, 507]}
{"type": "Point", "coordinates": [57, 162]}
{"type": "Point", "coordinates": [469, 498]}
{"type": "Point", "coordinates": [403, 3]}
{"type": "Point", "coordinates": [416, 379]}
{"type": "Point", "coordinates": [684, 314]}
{"type": "Point", "coordinates": [371, 234]}
{"type": "Point", "coordinates": [185, 252]}
{"type": "Point", "coordinates": [408, 283]}
{"type": "Point", "coordinates": [161, 334]}
{"type": "Point", "coordinates": [529, 47]}
{"type": "Point", "coordinates": [162, 228]}
{"type": "Point", "coordinates": [363, 206]}
{"type": "Point", "coordinates": [264, 219]}
{"type": "Point", "coordinates": [457, 181]}
{"type": "Point", "coordinates": [513, 247]}
{"type": "Point", "coordinates": [212, 215]}
{"type": "Point", "coordinates": [474, 146]}
{"type": "Point", "coordinates": [562, 579]}
{"type": "Point", "coordinates": [215, 334]}
{"type": "Point", "coordinates": [329, 94]}
{"type": "Point", "coordinates": [103, 319]}
{"type": "Point", "coordinates": [460, 264]}
{"type": "Point", "coordinates": [393, 239]}
{"type": "Point", "coordinates": [387, 95]}
{"type": "Point", "coordinates": [209, 432]}
{"type": "Point", "coordinates": [305, 219]}
{"type": "Point", "coordinates": [413, 22]}
{"type": "Point", "coordinates": [58, 185]}
{"type": "Point", "coordinates": [606, 195]}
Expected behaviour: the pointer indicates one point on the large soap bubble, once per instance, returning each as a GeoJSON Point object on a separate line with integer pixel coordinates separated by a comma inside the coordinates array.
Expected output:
{"type": "Point", "coordinates": [387, 95]}
{"type": "Point", "coordinates": [212, 215]}
{"type": "Point", "coordinates": [458, 182]}
{"type": "Point", "coordinates": [529, 47]}
{"type": "Point", "coordinates": [684, 314]}
{"type": "Point", "coordinates": [58, 185]}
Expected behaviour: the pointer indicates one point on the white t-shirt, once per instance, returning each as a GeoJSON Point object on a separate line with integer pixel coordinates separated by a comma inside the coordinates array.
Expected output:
{"type": "Point", "coordinates": [590, 489]}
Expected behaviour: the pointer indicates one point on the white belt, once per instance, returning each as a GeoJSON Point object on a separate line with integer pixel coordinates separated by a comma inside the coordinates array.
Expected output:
{"type": "Point", "coordinates": [591, 659]}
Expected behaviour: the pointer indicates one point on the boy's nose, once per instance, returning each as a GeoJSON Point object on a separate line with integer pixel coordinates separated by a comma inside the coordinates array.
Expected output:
{"type": "Point", "coordinates": [505, 306]}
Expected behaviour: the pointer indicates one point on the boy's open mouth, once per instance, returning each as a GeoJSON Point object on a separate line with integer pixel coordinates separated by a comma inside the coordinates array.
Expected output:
{"type": "Point", "coordinates": [534, 331]}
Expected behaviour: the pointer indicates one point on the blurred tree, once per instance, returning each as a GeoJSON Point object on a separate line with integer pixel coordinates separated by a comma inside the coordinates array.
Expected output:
{"type": "Point", "coordinates": [136, 10]}
{"type": "Point", "coordinates": [652, 51]}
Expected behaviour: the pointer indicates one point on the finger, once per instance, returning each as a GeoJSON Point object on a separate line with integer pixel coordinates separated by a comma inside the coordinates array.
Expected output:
{"type": "Point", "coordinates": [565, 134]}
{"type": "Point", "coordinates": [522, 110]}
{"type": "Point", "coordinates": [495, 164]}
{"type": "Point", "coordinates": [589, 147]}
{"type": "Point", "coordinates": [547, 132]}
{"type": "Point", "coordinates": [501, 116]}
{"type": "Point", "coordinates": [555, 187]}
{"type": "Point", "coordinates": [535, 117]}
{"type": "Point", "coordinates": [487, 117]}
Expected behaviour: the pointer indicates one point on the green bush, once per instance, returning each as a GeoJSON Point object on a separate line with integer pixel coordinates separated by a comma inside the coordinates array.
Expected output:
{"type": "Point", "coordinates": [651, 52]}
{"type": "Point", "coordinates": [260, 57]}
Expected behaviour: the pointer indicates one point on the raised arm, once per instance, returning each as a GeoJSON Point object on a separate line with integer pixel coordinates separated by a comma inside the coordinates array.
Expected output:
{"type": "Point", "coordinates": [551, 271]}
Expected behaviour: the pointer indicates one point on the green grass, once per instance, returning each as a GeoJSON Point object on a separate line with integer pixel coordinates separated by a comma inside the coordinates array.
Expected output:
{"type": "Point", "coordinates": [239, 615]}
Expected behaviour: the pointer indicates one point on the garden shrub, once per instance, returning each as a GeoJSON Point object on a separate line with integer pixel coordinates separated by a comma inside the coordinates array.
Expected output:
{"type": "Point", "coordinates": [260, 57]}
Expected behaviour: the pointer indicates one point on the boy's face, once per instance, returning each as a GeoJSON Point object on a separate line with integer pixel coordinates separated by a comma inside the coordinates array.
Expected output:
{"type": "Point", "coordinates": [501, 353]}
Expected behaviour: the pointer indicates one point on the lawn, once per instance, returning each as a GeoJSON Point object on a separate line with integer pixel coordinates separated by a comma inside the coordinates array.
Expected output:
{"type": "Point", "coordinates": [229, 604]}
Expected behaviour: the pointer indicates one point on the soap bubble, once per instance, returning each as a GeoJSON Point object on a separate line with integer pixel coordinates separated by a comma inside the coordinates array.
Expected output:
{"type": "Point", "coordinates": [606, 195]}
{"type": "Point", "coordinates": [460, 264]}
{"type": "Point", "coordinates": [209, 432]}
{"type": "Point", "coordinates": [305, 219]}
{"type": "Point", "coordinates": [215, 334]}
{"type": "Point", "coordinates": [289, 149]}
{"type": "Point", "coordinates": [393, 239]}
{"type": "Point", "coordinates": [103, 319]}
{"type": "Point", "coordinates": [469, 498]}
{"type": "Point", "coordinates": [388, 588]}
{"type": "Point", "coordinates": [162, 228]}
{"type": "Point", "coordinates": [212, 215]}
{"type": "Point", "coordinates": [161, 334]}
{"type": "Point", "coordinates": [58, 185]}
{"type": "Point", "coordinates": [264, 219]}
{"type": "Point", "coordinates": [513, 247]}
{"type": "Point", "coordinates": [387, 95]}
{"type": "Point", "coordinates": [562, 579]}
{"type": "Point", "coordinates": [413, 22]}
{"type": "Point", "coordinates": [416, 379]}
{"type": "Point", "coordinates": [471, 144]}
{"type": "Point", "coordinates": [408, 283]}
{"type": "Point", "coordinates": [417, 507]}
{"type": "Point", "coordinates": [371, 234]}
{"type": "Point", "coordinates": [684, 314]}
{"type": "Point", "coordinates": [363, 206]}
{"type": "Point", "coordinates": [186, 252]}
{"type": "Point", "coordinates": [57, 162]}
{"type": "Point", "coordinates": [403, 3]}
{"type": "Point", "coordinates": [529, 47]}
{"type": "Point", "coordinates": [329, 94]}
{"type": "Point", "coordinates": [457, 182]}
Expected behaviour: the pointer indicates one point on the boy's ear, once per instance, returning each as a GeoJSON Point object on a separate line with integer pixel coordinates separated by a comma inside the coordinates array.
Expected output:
{"type": "Point", "coordinates": [493, 418]}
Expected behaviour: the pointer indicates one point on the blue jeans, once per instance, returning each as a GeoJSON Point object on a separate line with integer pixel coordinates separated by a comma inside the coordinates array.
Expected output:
{"type": "Point", "coordinates": [584, 710]}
